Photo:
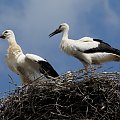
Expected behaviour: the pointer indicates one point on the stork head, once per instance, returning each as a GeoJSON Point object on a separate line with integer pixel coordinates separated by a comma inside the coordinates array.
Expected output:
{"type": "Point", "coordinates": [63, 27]}
{"type": "Point", "coordinates": [7, 34]}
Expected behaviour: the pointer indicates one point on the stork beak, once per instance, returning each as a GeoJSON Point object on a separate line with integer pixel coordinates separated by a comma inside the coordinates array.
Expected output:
{"type": "Point", "coordinates": [55, 32]}
{"type": "Point", "coordinates": [2, 36]}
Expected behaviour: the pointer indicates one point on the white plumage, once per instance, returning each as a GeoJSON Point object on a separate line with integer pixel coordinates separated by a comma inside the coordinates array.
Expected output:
{"type": "Point", "coordinates": [88, 50]}
{"type": "Point", "coordinates": [28, 66]}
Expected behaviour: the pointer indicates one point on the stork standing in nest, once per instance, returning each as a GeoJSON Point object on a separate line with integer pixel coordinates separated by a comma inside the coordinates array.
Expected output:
{"type": "Point", "coordinates": [28, 66]}
{"type": "Point", "coordinates": [88, 50]}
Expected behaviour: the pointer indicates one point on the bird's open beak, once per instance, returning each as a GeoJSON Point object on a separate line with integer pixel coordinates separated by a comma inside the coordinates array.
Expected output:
{"type": "Point", "coordinates": [55, 32]}
{"type": "Point", "coordinates": [2, 36]}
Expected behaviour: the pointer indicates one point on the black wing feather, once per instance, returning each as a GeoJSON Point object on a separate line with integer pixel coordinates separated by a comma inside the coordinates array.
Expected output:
{"type": "Point", "coordinates": [101, 41]}
{"type": "Point", "coordinates": [47, 69]}
{"type": "Point", "coordinates": [103, 47]}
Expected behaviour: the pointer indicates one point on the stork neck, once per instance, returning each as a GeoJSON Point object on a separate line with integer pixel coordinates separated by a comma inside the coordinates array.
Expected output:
{"type": "Point", "coordinates": [65, 34]}
{"type": "Point", "coordinates": [12, 41]}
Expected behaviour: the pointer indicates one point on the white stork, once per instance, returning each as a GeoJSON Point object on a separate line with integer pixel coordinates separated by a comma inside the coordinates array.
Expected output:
{"type": "Point", "coordinates": [88, 50]}
{"type": "Point", "coordinates": [29, 67]}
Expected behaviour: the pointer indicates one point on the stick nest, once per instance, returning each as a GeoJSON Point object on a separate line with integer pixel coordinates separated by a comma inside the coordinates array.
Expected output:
{"type": "Point", "coordinates": [72, 96]}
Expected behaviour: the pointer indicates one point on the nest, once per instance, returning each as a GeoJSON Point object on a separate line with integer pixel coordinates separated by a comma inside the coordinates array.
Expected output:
{"type": "Point", "coordinates": [72, 96]}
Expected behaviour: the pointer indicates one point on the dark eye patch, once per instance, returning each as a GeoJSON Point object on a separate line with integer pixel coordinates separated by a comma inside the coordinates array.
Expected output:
{"type": "Point", "coordinates": [6, 32]}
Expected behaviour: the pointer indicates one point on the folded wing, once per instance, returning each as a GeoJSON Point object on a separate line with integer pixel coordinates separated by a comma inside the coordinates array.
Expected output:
{"type": "Point", "coordinates": [41, 65]}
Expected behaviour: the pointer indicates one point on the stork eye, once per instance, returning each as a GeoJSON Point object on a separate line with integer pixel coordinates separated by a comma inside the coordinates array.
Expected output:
{"type": "Point", "coordinates": [6, 32]}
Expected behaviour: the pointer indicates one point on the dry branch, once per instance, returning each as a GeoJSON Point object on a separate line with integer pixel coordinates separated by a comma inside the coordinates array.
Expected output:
{"type": "Point", "coordinates": [72, 96]}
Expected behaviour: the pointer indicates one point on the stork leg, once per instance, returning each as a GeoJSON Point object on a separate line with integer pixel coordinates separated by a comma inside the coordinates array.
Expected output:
{"type": "Point", "coordinates": [92, 68]}
{"type": "Point", "coordinates": [86, 72]}
{"type": "Point", "coordinates": [86, 68]}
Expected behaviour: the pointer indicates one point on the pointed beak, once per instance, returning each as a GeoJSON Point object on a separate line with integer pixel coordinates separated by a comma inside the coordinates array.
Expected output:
{"type": "Point", "coordinates": [55, 32]}
{"type": "Point", "coordinates": [2, 36]}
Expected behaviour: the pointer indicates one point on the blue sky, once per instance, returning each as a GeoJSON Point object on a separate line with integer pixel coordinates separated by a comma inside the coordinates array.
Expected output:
{"type": "Point", "coordinates": [33, 20]}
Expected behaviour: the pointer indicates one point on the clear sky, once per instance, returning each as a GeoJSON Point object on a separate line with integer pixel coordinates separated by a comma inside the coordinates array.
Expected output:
{"type": "Point", "coordinates": [33, 20]}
